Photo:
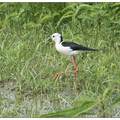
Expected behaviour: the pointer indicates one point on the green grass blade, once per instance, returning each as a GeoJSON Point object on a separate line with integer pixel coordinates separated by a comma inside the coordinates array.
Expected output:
{"type": "Point", "coordinates": [73, 112]}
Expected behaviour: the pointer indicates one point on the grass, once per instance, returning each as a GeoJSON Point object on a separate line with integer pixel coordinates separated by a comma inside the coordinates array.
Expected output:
{"type": "Point", "coordinates": [29, 61]}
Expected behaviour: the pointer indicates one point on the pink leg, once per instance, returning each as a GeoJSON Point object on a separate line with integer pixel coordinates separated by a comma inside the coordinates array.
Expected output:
{"type": "Point", "coordinates": [76, 75]}
{"type": "Point", "coordinates": [73, 60]}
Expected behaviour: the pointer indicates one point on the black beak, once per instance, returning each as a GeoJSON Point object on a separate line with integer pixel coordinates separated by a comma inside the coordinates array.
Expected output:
{"type": "Point", "coordinates": [50, 39]}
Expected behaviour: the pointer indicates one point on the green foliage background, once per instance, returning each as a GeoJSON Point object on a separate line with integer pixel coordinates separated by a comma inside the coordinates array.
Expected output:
{"type": "Point", "coordinates": [31, 61]}
{"type": "Point", "coordinates": [37, 15]}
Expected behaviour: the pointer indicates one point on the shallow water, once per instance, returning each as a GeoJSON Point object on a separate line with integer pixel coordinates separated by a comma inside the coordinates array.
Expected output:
{"type": "Point", "coordinates": [40, 104]}
{"type": "Point", "coordinates": [26, 102]}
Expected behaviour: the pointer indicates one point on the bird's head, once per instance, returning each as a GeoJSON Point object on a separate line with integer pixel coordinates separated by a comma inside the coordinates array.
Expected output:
{"type": "Point", "coordinates": [57, 37]}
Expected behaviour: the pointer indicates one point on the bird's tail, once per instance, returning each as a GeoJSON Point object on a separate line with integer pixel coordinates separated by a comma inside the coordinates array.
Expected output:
{"type": "Point", "coordinates": [90, 49]}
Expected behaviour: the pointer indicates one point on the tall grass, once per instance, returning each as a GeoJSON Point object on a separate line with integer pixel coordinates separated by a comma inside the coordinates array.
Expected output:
{"type": "Point", "coordinates": [30, 61]}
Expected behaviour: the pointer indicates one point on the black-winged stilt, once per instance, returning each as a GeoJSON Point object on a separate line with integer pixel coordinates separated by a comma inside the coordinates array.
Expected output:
{"type": "Point", "coordinates": [71, 49]}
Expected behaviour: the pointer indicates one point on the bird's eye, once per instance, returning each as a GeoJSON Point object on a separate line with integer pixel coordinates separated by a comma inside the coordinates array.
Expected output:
{"type": "Point", "coordinates": [53, 36]}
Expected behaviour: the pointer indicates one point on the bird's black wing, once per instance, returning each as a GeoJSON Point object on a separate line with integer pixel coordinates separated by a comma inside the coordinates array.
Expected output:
{"type": "Point", "coordinates": [76, 46]}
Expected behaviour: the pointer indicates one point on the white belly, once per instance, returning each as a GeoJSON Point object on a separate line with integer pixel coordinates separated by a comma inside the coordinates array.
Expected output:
{"type": "Point", "coordinates": [67, 50]}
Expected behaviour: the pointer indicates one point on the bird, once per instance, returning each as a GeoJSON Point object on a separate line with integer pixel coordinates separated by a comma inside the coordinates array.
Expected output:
{"type": "Point", "coordinates": [70, 49]}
